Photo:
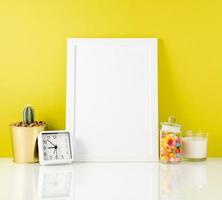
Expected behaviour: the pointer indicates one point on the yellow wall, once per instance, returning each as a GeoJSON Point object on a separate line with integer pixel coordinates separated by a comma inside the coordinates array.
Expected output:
{"type": "Point", "coordinates": [33, 56]}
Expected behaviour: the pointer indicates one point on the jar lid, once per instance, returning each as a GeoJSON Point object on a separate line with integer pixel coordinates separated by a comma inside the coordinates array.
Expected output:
{"type": "Point", "coordinates": [171, 122]}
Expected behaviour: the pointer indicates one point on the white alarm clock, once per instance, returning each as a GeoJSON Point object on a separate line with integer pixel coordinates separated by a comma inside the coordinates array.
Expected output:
{"type": "Point", "coordinates": [55, 147]}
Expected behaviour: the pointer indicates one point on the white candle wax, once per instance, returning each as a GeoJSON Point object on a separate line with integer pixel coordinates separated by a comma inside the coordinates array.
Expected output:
{"type": "Point", "coordinates": [194, 147]}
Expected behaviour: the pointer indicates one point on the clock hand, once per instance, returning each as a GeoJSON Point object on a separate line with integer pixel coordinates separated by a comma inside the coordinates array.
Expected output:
{"type": "Point", "coordinates": [56, 151]}
{"type": "Point", "coordinates": [50, 142]}
{"type": "Point", "coordinates": [51, 147]}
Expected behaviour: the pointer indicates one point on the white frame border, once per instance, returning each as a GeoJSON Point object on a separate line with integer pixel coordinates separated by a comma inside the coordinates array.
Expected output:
{"type": "Point", "coordinates": [72, 43]}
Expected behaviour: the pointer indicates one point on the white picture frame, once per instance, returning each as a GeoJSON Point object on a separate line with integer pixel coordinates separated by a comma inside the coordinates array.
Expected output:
{"type": "Point", "coordinates": [112, 99]}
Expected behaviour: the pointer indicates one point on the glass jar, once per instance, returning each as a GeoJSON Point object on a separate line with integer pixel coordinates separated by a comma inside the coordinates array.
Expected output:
{"type": "Point", "coordinates": [170, 141]}
{"type": "Point", "coordinates": [194, 145]}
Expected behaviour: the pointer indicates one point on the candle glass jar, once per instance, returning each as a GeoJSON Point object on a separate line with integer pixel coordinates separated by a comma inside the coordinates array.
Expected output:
{"type": "Point", "coordinates": [194, 144]}
{"type": "Point", "coordinates": [170, 141]}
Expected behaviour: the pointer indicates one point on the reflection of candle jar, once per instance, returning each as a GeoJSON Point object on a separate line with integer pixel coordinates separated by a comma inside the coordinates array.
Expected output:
{"type": "Point", "coordinates": [170, 141]}
{"type": "Point", "coordinates": [194, 175]}
{"type": "Point", "coordinates": [195, 145]}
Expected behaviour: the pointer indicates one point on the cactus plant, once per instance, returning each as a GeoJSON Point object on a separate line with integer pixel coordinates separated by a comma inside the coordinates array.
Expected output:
{"type": "Point", "coordinates": [28, 119]}
{"type": "Point", "coordinates": [24, 137]}
{"type": "Point", "coordinates": [28, 115]}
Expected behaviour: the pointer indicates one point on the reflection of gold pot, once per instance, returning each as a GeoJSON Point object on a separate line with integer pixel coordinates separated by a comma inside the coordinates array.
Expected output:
{"type": "Point", "coordinates": [24, 182]}
{"type": "Point", "coordinates": [24, 142]}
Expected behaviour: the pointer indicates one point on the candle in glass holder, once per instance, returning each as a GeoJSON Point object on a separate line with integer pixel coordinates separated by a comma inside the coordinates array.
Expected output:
{"type": "Point", "coordinates": [194, 145]}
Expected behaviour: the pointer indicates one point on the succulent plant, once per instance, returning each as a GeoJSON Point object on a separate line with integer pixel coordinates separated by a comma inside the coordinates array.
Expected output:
{"type": "Point", "coordinates": [28, 115]}
{"type": "Point", "coordinates": [28, 119]}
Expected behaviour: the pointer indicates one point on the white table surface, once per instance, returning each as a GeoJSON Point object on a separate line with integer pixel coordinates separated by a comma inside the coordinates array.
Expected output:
{"type": "Point", "coordinates": [112, 181]}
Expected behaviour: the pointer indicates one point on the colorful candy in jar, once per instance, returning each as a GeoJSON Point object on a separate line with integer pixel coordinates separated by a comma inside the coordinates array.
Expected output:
{"type": "Point", "coordinates": [170, 141]}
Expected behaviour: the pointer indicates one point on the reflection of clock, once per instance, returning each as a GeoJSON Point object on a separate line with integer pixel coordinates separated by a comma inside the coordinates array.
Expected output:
{"type": "Point", "coordinates": [55, 147]}
{"type": "Point", "coordinates": [56, 185]}
{"type": "Point", "coordinates": [55, 182]}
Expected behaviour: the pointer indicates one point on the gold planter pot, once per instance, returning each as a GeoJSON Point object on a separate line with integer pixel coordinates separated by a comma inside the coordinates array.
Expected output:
{"type": "Point", "coordinates": [24, 143]}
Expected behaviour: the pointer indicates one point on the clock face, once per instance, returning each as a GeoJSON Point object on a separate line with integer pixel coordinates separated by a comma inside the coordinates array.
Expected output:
{"type": "Point", "coordinates": [56, 146]}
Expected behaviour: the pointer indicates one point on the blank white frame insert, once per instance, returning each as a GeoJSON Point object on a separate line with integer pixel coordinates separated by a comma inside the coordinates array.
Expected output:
{"type": "Point", "coordinates": [112, 99]}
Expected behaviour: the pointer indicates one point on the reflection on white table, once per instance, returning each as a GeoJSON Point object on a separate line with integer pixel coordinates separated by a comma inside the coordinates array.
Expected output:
{"type": "Point", "coordinates": [23, 182]}
{"type": "Point", "coordinates": [111, 181]}
{"type": "Point", "coordinates": [117, 181]}
{"type": "Point", "coordinates": [55, 182]}
{"type": "Point", "coordinates": [174, 179]}
{"type": "Point", "coordinates": [99, 181]}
